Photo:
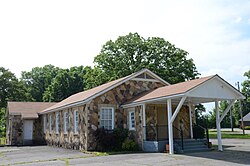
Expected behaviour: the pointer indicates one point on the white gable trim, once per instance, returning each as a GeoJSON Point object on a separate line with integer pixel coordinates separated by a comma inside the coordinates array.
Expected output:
{"type": "Point", "coordinates": [225, 92]}
{"type": "Point", "coordinates": [238, 95]}
{"type": "Point", "coordinates": [108, 89]}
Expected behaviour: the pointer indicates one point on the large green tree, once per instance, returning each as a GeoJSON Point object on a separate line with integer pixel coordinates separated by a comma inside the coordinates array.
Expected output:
{"type": "Point", "coordinates": [246, 92]}
{"type": "Point", "coordinates": [38, 79]}
{"type": "Point", "coordinates": [131, 53]}
{"type": "Point", "coordinates": [65, 83]}
{"type": "Point", "coordinates": [11, 89]}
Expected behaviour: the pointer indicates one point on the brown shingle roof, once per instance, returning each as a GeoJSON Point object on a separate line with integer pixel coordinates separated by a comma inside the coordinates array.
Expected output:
{"type": "Point", "coordinates": [85, 95]}
{"type": "Point", "coordinates": [27, 109]}
{"type": "Point", "coordinates": [81, 96]}
{"type": "Point", "coordinates": [170, 90]}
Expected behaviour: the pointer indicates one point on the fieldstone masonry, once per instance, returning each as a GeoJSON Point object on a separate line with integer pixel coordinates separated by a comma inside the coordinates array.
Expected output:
{"type": "Point", "coordinates": [89, 117]}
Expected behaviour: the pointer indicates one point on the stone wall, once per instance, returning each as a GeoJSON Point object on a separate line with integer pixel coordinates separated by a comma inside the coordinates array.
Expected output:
{"type": "Point", "coordinates": [16, 130]}
{"type": "Point", "coordinates": [70, 139]}
{"type": "Point", "coordinates": [38, 138]}
{"type": "Point", "coordinates": [114, 98]}
{"type": "Point", "coordinates": [89, 117]}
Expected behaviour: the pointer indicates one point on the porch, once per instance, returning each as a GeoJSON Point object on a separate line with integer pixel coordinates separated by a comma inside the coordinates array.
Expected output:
{"type": "Point", "coordinates": [179, 96]}
{"type": "Point", "coordinates": [157, 134]}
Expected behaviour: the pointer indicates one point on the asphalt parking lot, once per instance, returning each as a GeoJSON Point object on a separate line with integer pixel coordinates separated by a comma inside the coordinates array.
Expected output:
{"type": "Point", "coordinates": [236, 152]}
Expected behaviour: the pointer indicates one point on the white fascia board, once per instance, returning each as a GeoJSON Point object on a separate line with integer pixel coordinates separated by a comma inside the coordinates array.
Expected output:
{"type": "Point", "coordinates": [143, 79]}
{"type": "Point", "coordinates": [64, 107]}
{"type": "Point", "coordinates": [152, 100]}
{"type": "Point", "coordinates": [222, 81]}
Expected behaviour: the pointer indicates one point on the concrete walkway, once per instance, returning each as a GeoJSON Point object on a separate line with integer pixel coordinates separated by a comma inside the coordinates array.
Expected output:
{"type": "Point", "coordinates": [236, 152]}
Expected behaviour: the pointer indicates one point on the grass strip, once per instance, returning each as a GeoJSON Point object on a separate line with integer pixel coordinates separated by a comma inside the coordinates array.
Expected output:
{"type": "Point", "coordinates": [227, 135]}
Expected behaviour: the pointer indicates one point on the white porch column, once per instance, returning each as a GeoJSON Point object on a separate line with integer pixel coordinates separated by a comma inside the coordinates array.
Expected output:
{"type": "Point", "coordinates": [170, 128]}
{"type": "Point", "coordinates": [190, 120]}
{"type": "Point", "coordinates": [218, 126]}
{"type": "Point", "coordinates": [144, 121]}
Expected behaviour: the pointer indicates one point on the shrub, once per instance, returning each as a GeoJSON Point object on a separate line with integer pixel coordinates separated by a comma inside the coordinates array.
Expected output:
{"type": "Point", "coordinates": [104, 139]}
{"type": "Point", "coordinates": [247, 127]}
{"type": "Point", "coordinates": [110, 140]}
{"type": "Point", "coordinates": [129, 145]}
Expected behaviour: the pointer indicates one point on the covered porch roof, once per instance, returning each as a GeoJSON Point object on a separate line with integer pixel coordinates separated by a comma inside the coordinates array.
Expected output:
{"type": "Point", "coordinates": [202, 90]}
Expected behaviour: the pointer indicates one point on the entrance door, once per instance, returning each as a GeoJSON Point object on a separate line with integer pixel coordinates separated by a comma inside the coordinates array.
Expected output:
{"type": "Point", "coordinates": [28, 130]}
{"type": "Point", "coordinates": [162, 121]}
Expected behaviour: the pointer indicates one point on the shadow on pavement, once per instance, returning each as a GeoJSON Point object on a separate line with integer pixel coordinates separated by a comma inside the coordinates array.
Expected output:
{"type": "Point", "coordinates": [229, 155]}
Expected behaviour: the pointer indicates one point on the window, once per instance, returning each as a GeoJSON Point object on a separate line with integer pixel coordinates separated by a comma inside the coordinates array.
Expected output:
{"type": "Point", "coordinates": [44, 123]}
{"type": "Point", "coordinates": [131, 120]}
{"type": "Point", "coordinates": [50, 124]}
{"type": "Point", "coordinates": [76, 121]}
{"type": "Point", "coordinates": [107, 118]}
{"type": "Point", "coordinates": [57, 122]}
{"type": "Point", "coordinates": [65, 117]}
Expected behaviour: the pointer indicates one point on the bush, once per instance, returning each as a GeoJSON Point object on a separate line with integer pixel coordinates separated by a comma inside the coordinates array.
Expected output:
{"type": "Point", "coordinates": [247, 127]}
{"type": "Point", "coordinates": [110, 140]}
{"type": "Point", "coordinates": [129, 145]}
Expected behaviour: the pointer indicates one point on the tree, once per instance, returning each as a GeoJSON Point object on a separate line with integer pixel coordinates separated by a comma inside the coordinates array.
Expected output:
{"type": "Point", "coordinates": [246, 92]}
{"type": "Point", "coordinates": [11, 89]}
{"type": "Point", "coordinates": [95, 77]}
{"type": "Point", "coordinates": [131, 53]}
{"type": "Point", "coordinates": [38, 79]}
{"type": "Point", "coordinates": [65, 83]}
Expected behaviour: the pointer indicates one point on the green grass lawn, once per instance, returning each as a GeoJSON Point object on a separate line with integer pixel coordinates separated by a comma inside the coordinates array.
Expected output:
{"type": "Point", "coordinates": [226, 134]}
{"type": "Point", "coordinates": [2, 141]}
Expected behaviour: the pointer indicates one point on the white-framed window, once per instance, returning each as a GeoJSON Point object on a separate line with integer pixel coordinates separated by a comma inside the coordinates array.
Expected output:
{"type": "Point", "coordinates": [66, 121]}
{"type": "Point", "coordinates": [107, 118]}
{"type": "Point", "coordinates": [44, 123]}
{"type": "Point", "coordinates": [76, 120]}
{"type": "Point", "coordinates": [131, 120]}
{"type": "Point", "coordinates": [50, 124]}
{"type": "Point", "coordinates": [57, 122]}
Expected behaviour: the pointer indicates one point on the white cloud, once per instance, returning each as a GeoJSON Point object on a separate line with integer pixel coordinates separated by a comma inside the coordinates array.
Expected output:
{"type": "Point", "coordinates": [238, 20]}
{"type": "Point", "coordinates": [68, 33]}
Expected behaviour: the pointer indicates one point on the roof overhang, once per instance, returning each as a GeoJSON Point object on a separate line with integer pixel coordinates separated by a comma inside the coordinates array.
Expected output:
{"type": "Point", "coordinates": [214, 89]}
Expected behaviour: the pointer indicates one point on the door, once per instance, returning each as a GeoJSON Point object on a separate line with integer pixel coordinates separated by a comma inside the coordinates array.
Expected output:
{"type": "Point", "coordinates": [28, 129]}
{"type": "Point", "coordinates": [162, 121]}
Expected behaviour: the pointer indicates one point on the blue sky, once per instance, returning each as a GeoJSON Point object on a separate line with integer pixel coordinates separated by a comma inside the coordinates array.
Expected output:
{"type": "Point", "coordinates": [216, 33]}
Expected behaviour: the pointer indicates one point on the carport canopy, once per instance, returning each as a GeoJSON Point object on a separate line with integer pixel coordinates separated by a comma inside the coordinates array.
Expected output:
{"type": "Point", "coordinates": [202, 90]}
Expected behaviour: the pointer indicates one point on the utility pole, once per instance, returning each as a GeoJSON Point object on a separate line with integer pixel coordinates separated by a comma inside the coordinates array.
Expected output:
{"type": "Point", "coordinates": [242, 122]}
{"type": "Point", "coordinates": [231, 120]}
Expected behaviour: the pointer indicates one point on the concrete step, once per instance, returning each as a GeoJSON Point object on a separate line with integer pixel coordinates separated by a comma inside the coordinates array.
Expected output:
{"type": "Point", "coordinates": [191, 146]}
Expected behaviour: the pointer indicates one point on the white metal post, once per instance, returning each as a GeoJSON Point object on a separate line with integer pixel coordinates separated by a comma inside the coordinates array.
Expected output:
{"type": "Point", "coordinates": [170, 128]}
{"type": "Point", "coordinates": [218, 126]}
{"type": "Point", "coordinates": [144, 121]}
{"type": "Point", "coordinates": [190, 120]}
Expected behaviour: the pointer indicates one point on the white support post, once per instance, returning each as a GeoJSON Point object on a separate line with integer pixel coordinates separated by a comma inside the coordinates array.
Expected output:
{"type": "Point", "coordinates": [218, 126]}
{"type": "Point", "coordinates": [144, 121]}
{"type": "Point", "coordinates": [170, 128]}
{"type": "Point", "coordinates": [227, 110]}
{"type": "Point", "coordinates": [190, 120]}
{"type": "Point", "coordinates": [178, 108]}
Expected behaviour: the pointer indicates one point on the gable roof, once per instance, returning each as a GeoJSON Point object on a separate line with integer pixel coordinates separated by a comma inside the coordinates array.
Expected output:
{"type": "Point", "coordinates": [246, 117]}
{"type": "Point", "coordinates": [27, 109]}
{"type": "Point", "coordinates": [179, 89]}
{"type": "Point", "coordinates": [85, 96]}
{"type": "Point", "coordinates": [170, 90]}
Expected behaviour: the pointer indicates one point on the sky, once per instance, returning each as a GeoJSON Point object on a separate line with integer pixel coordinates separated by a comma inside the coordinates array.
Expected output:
{"type": "Point", "coordinates": [216, 33]}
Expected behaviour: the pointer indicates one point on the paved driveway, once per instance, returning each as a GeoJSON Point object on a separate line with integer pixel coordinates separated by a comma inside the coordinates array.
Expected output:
{"type": "Point", "coordinates": [236, 152]}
